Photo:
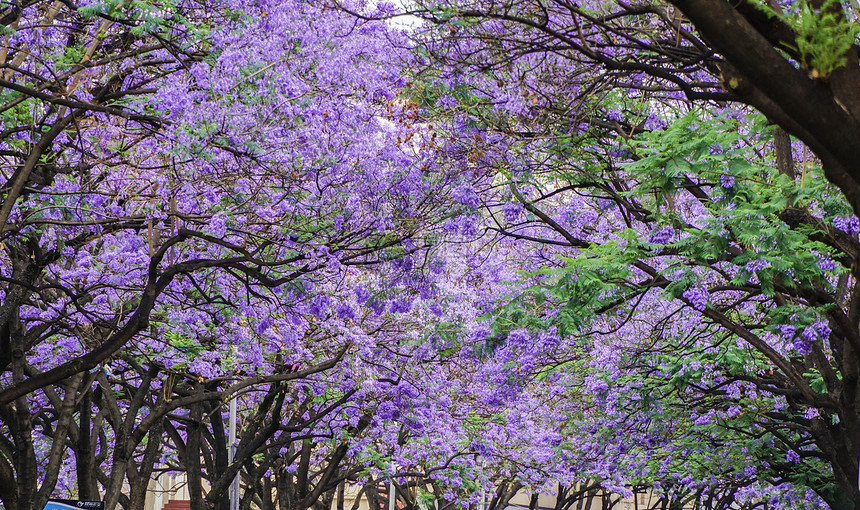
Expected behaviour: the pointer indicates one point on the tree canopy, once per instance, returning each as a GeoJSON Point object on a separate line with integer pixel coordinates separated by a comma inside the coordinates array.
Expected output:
{"type": "Point", "coordinates": [591, 248]}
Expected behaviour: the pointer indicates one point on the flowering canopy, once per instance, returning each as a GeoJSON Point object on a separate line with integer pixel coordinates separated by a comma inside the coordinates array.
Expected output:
{"type": "Point", "coordinates": [531, 244]}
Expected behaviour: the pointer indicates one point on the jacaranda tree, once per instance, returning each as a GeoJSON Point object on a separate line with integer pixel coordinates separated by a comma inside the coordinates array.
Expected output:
{"type": "Point", "coordinates": [196, 197]}
{"type": "Point", "coordinates": [703, 253]}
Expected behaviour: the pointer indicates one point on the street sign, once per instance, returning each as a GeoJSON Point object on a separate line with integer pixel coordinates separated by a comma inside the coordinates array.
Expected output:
{"type": "Point", "coordinates": [66, 504]}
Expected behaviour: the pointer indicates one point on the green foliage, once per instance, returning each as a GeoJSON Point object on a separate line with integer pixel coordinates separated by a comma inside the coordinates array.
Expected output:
{"type": "Point", "coordinates": [824, 36]}
{"type": "Point", "coordinates": [745, 217]}
{"type": "Point", "coordinates": [742, 235]}
{"type": "Point", "coordinates": [425, 499]}
{"type": "Point", "coordinates": [149, 17]}
{"type": "Point", "coordinates": [184, 344]}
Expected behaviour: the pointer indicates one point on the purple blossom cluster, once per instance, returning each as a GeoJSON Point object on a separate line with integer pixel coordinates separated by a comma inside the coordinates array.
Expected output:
{"type": "Point", "coordinates": [662, 235]}
{"type": "Point", "coordinates": [848, 224]}
{"type": "Point", "coordinates": [697, 296]}
{"type": "Point", "coordinates": [802, 339]}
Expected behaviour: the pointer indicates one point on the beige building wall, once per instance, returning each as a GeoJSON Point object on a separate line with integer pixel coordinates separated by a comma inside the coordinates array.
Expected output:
{"type": "Point", "coordinates": [164, 488]}
{"type": "Point", "coordinates": [641, 501]}
{"type": "Point", "coordinates": [171, 487]}
{"type": "Point", "coordinates": [349, 495]}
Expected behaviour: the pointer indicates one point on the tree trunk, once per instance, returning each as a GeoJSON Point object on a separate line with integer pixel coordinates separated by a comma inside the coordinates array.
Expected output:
{"type": "Point", "coordinates": [784, 157]}
{"type": "Point", "coordinates": [84, 454]}
{"type": "Point", "coordinates": [192, 458]}
{"type": "Point", "coordinates": [220, 446]}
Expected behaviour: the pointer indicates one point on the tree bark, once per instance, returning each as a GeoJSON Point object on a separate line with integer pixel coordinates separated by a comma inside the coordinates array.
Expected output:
{"type": "Point", "coordinates": [784, 157]}
{"type": "Point", "coordinates": [192, 458]}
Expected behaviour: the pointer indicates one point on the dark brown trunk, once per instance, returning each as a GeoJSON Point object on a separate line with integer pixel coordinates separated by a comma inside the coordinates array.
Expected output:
{"type": "Point", "coordinates": [137, 496]}
{"type": "Point", "coordinates": [341, 493]}
{"type": "Point", "coordinates": [64, 414]}
{"type": "Point", "coordinates": [267, 503]}
{"type": "Point", "coordinates": [84, 459]}
{"type": "Point", "coordinates": [784, 157]}
{"type": "Point", "coordinates": [192, 458]}
{"type": "Point", "coordinates": [219, 445]}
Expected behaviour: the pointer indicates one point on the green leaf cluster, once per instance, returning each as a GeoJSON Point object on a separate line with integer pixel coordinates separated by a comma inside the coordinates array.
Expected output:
{"type": "Point", "coordinates": [824, 36]}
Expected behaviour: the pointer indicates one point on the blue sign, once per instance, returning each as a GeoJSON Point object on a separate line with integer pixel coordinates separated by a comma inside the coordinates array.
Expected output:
{"type": "Point", "coordinates": [67, 504]}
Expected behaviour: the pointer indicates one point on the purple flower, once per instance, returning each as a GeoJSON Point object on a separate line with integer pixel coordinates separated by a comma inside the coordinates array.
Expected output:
{"type": "Point", "coordinates": [467, 196]}
{"type": "Point", "coordinates": [827, 264]}
{"type": "Point", "coordinates": [403, 263]}
{"type": "Point", "coordinates": [802, 346]}
{"type": "Point", "coordinates": [705, 419]}
{"type": "Point", "coordinates": [378, 306]}
{"type": "Point", "coordinates": [809, 334]}
{"type": "Point", "coordinates": [218, 225]}
{"type": "Point", "coordinates": [520, 338]}
{"type": "Point", "coordinates": [264, 325]}
{"type": "Point", "coordinates": [480, 448]}
{"type": "Point", "coordinates": [362, 294]}
{"type": "Point", "coordinates": [595, 384]}
{"type": "Point", "coordinates": [622, 153]}
{"type": "Point", "coordinates": [345, 312]}
{"type": "Point", "coordinates": [654, 123]}
{"type": "Point", "coordinates": [512, 211]}
{"type": "Point", "coordinates": [662, 236]}
{"type": "Point", "coordinates": [698, 297]}
{"type": "Point", "coordinates": [727, 181]}
{"type": "Point", "coordinates": [401, 305]}
{"type": "Point", "coordinates": [447, 102]}
{"type": "Point", "coordinates": [811, 413]}
{"type": "Point", "coordinates": [754, 266]}
{"type": "Point", "coordinates": [847, 224]}
{"type": "Point", "coordinates": [319, 305]}
{"type": "Point", "coordinates": [821, 329]}
{"type": "Point", "coordinates": [388, 411]}
{"type": "Point", "coordinates": [817, 331]}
